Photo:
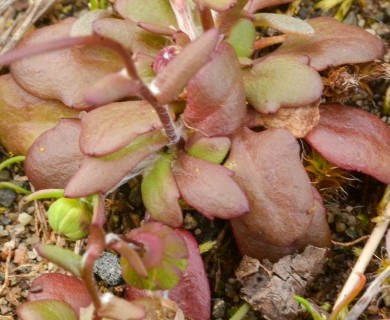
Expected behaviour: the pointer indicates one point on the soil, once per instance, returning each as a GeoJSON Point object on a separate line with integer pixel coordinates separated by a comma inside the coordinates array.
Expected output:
{"type": "Point", "coordinates": [349, 209]}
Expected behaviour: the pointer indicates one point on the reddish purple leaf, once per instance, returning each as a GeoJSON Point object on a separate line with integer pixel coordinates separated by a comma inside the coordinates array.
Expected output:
{"type": "Point", "coordinates": [192, 293]}
{"type": "Point", "coordinates": [25, 117]}
{"type": "Point", "coordinates": [353, 139]}
{"type": "Point", "coordinates": [55, 156]}
{"type": "Point", "coordinates": [218, 196]}
{"type": "Point", "coordinates": [60, 287]}
{"type": "Point", "coordinates": [333, 43]}
{"type": "Point", "coordinates": [112, 127]}
{"type": "Point", "coordinates": [111, 88]}
{"type": "Point", "coordinates": [255, 5]}
{"type": "Point", "coordinates": [100, 175]}
{"type": "Point", "coordinates": [175, 76]}
{"type": "Point", "coordinates": [216, 96]}
{"type": "Point", "coordinates": [268, 168]}
{"type": "Point", "coordinates": [63, 75]}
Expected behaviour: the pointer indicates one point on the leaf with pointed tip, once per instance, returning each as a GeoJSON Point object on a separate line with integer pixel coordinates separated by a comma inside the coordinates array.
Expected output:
{"type": "Point", "coordinates": [353, 139]}
{"type": "Point", "coordinates": [62, 74]}
{"type": "Point", "coordinates": [175, 76]}
{"type": "Point", "coordinates": [243, 46]}
{"type": "Point", "coordinates": [283, 23]}
{"type": "Point", "coordinates": [160, 193]}
{"type": "Point", "coordinates": [215, 95]}
{"type": "Point", "coordinates": [25, 117]}
{"type": "Point", "coordinates": [158, 11]}
{"type": "Point", "coordinates": [46, 310]}
{"type": "Point", "coordinates": [217, 197]}
{"type": "Point", "coordinates": [268, 168]}
{"type": "Point", "coordinates": [65, 258]}
{"type": "Point", "coordinates": [255, 5]}
{"type": "Point", "coordinates": [130, 36]}
{"type": "Point", "coordinates": [60, 287]}
{"type": "Point", "coordinates": [109, 129]}
{"type": "Point", "coordinates": [334, 43]}
{"type": "Point", "coordinates": [282, 81]}
{"type": "Point", "coordinates": [218, 5]}
{"type": "Point", "coordinates": [55, 156]}
{"type": "Point", "coordinates": [100, 175]}
{"type": "Point", "coordinates": [214, 149]}
{"type": "Point", "coordinates": [119, 309]}
{"type": "Point", "coordinates": [164, 256]}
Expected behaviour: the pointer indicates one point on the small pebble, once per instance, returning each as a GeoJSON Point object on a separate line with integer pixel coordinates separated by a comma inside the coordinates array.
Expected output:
{"type": "Point", "coordinates": [24, 218]}
{"type": "Point", "coordinates": [4, 220]}
{"type": "Point", "coordinates": [340, 226]}
{"type": "Point", "coordinates": [7, 197]}
{"type": "Point", "coordinates": [219, 308]}
{"type": "Point", "coordinates": [107, 267]}
{"type": "Point", "coordinates": [190, 222]}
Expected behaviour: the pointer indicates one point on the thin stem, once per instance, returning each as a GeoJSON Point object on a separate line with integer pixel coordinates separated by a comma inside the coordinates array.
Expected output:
{"type": "Point", "coordinates": [16, 188]}
{"type": "Point", "coordinates": [98, 217]}
{"type": "Point", "coordinates": [44, 194]}
{"type": "Point", "coordinates": [366, 255]}
{"type": "Point", "coordinates": [10, 161]}
{"type": "Point", "coordinates": [374, 288]}
{"type": "Point", "coordinates": [268, 41]}
{"type": "Point", "coordinates": [163, 114]}
{"type": "Point", "coordinates": [29, 51]}
{"type": "Point", "coordinates": [206, 18]}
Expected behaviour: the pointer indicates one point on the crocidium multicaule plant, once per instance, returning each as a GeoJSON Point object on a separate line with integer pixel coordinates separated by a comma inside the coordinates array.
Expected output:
{"type": "Point", "coordinates": [172, 92]}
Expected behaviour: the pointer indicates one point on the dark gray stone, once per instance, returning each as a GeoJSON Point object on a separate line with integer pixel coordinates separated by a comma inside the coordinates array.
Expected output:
{"type": "Point", "coordinates": [7, 197]}
{"type": "Point", "coordinates": [108, 268]}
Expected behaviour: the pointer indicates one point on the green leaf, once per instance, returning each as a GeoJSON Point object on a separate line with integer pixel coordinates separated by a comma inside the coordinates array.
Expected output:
{"type": "Point", "coordinates": [158, 11]}
{"type": "Point", "coordinates": [46, 310]}
{"type": "Point", "coordinates": [160, 193]}
{"type": "Point", "coordinates": [212, 149]}
{"type": "Point", "coordinates": [309, 308]}
{"type": "Point", "coordinates": [283, 23]}
{"type": "Point", "coordinates": [65, 258]}
{"type": "Point", "coordinates": [243, 45]}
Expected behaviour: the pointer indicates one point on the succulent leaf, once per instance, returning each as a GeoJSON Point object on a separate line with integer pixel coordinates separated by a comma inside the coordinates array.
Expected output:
{"type": "Point", "coordinates": [160, 193]}
{"type": "Point", "coordinates": [46, 310]}
{"type": "Point", "coordinates": [212, 149]}
{"type": "Point", "coordinates": [141, 10]}
{"type": "Point", "coordinates": [56, 150]}
{"type": "Point", "coordinates": [283, 23]}
{"type": "Point", "coordinates": [217, 197]}
{"type": "Point", "coordinates": [243, 46]}
{"type": "Point", "coordinates": [65, 258]}
{"type": "Point", "coordinates": [164, 256]}
{"type": "Point", "coordinates": [268, 168]}
{"type": "Point", "coordinates": [63, 75]}
{"type": "Point", "coordinates": [353, 139]}
{"type": "Point", "coordinates": [175, 76]}
{"type": "Point", "coordinates": [215, 93]}
{"type": "Point", "coordinates": [282, 81]}
{"type": "Point", "coordinates": [61, 287]}
{"type": "Point", "coordinates": [112, 127]}
{"type": "Point", "coordinates": [112, 169]}
{"type": "Point", "coordinates": [334, 43]}
{"type": "Point", "coordinates": [25, 117]}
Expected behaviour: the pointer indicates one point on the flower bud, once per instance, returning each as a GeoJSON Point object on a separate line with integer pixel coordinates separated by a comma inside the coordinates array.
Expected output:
{"type": "Point", "coordinates": [70, 217]}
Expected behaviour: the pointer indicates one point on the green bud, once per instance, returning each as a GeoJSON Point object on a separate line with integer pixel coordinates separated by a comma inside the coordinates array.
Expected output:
{"type": "Point", "coordinates": [70, 217]}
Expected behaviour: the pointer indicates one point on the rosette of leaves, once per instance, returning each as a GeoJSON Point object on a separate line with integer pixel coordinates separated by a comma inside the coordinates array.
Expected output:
{"type": "Point", "coordinates": [180, 139]}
